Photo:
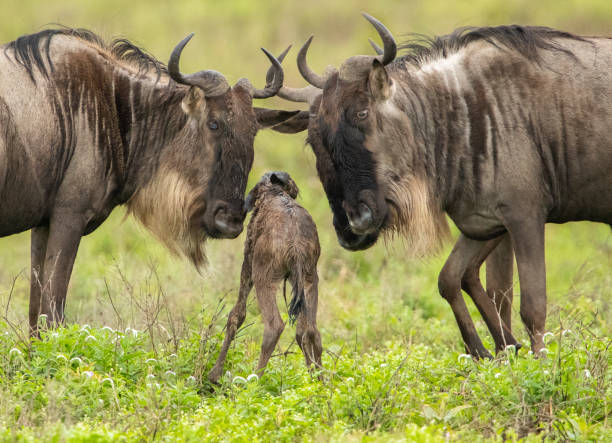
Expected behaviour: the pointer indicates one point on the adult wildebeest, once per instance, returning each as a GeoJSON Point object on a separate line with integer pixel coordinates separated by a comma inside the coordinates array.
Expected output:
{"type": "Point", "coordinates": [87, 126]}
{"type": "Point", "coordinates": [504, 129]}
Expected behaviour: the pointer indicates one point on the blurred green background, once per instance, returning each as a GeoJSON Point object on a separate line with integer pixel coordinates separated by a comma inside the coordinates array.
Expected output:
{"type": "Point", "coordinates": [376, 294]}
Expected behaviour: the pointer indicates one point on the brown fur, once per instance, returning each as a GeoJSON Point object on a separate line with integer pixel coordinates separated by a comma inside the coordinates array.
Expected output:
{"type": "Point", "coordinates": [172, 209]}
{"type": "Point", "coordinates": [281, 244]}
{"type": "Point", "coordinates": [415, 215]}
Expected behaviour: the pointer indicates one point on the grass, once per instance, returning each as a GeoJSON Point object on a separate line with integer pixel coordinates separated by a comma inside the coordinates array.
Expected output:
{"type": "Point", "coordinates": [393, 363]}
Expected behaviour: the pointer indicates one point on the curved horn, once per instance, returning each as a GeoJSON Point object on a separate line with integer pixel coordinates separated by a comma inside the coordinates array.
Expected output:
{"type": "Point", "coordinates": [280, 58]}
{"type": "Point", "coordinates": [376, 48]}
{"type": "Point", "coordinates": [302, 95]}
{"type": "Point", "coordinates": [213, 83]}
{"type": "Point", "coordinates": [390, 47]}
{"type": "Point", "coordinates": [308, 74]}
{"type": "Point", "coordinates": [275, 85]}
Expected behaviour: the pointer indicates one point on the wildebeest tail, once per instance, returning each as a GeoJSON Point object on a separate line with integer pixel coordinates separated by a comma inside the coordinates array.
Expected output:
{"type": "Point", "coordinates": [297, 294]}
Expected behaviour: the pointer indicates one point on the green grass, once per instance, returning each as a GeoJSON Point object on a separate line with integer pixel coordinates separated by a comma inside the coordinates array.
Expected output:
{"type": "Point", "coordinates": [393, 369]}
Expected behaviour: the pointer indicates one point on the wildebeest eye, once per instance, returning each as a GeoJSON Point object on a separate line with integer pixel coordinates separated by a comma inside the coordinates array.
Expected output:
{"type": "Point", "coordinates": [362, 114]}
{"type": "Point", "coordinates": [213, 125]}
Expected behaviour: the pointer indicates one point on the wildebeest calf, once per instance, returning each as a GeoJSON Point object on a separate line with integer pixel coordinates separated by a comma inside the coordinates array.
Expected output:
{"type": "Point", "coordinates": [282, 244]}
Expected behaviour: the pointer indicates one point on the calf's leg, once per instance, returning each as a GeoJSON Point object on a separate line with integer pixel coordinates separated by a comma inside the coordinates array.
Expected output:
{"type": "Point", "coordinates": [273, 323]}
{"type": "Point", "coordinates": [306, 333]}
{"type": "Point", "coordinates": [235, 319]}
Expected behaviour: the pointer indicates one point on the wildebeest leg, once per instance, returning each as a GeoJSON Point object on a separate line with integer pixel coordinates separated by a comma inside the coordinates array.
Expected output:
{"type": "Point", "coordinates": [38, 248]}
{"type": "Point", "coordinates": [449, 283]}
{"type": "Point", "coordinates": [306, 333]}
{"type": "Point", "coordinates": [65, 232]}
{"type": "Point", "coordinates": [235, 319]}
{"type": "Point", "coordinates": [528, 243]}
{"type": "Point", "coordinates": [499, 279]}
{"type": "Point", "coordinates": [470, 282]}
{"type": "Point", "coordinates": [273, 323]}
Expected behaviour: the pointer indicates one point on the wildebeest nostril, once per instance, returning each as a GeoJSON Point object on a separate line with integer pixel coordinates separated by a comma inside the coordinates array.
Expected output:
{"type": "Point", "coordinates": [362, 219]}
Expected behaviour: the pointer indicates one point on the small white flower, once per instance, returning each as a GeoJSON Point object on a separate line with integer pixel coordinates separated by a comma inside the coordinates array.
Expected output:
{"type": "Point", "coordinates": [239, 379]}
{"type": "Point", "coordinates": [566, 331]}
{"type": "Point", "coordinates": [587, 373]}
{"type": "Point", "coordinates": [108, 328]}
{"type": "Point", "coordinates": [170, 373]}
{"type": "Point", "coordinates": [545, 336]}
{"type": "Point", "coordinates": [91, 338]}
{"type": "Point", "coordinates": [88, 374]}
{"type": "Point", "coordinates": [510, 348]}
{"type": "Point", "coordinates": [191, 379]}
{"type": "Point", "coordinates": [497, 375]}
{"type": "Point", "coordinates": [150, 360]}
{"type": "Point", "coordinates": [383, 365]}
{"type": "Point", "coordinates": [55, 334]}
{"type": "Point", "coordinates": [85, 327]}
{"type": "Point", "coordinates": [61, 357]}
{"type": "Point", "coordinates": [15, 351]}
{"type": "Point", "coordinates": [76, 359]}
{"type": "Point", "coordinates": [350, 379]}
{"type": "Point", "coordinates": [108, 379]}
{"type": "Point", "coordinates": [466, 357]}
{"type": "Point", "coordinates": [228, 374]}
{"type": "Point", "coordinates": [545, 351]}
{"type": "Point", "coordinates": [173, 356]}
{"type": "Point", "coordinates": [150, 377]}
{"type": "Point", "coordinates": [252, 377]}
{"type": "Point", "coordinates": [545, 372]}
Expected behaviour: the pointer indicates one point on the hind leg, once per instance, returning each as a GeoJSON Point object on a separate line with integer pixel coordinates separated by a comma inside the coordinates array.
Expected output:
{"type": "Point", "coordinates": [235, 319]}
{"type": "Point", "coordinates": [273, 323]}
{"type": "Point", "coordinates": [306, 334]}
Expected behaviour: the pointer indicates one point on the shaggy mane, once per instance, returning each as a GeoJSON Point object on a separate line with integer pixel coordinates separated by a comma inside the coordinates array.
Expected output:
{"type": "Point", "coordinates": [526, 40]}
{"type": "Point", "coordinates": [30, 51]}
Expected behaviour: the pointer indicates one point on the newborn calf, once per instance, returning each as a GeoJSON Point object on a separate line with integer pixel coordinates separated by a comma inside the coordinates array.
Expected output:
{"type": "Point", "coordinates": [282, 244]}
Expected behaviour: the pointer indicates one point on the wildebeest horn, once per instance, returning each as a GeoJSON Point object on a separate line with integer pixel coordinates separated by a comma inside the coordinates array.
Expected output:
{"type": "Point", "coordinates": [310, 76]}
{"type": "Point", "coordinates": [213, 83]}
{"type": "Point", "coordinates": [302, 95]}
{"type": "Point", "coordinates": [275, 85]}
{"type": "Point", "coordinates": [390, 48]}
{"type": "Point", "coordinates": [376, 48]}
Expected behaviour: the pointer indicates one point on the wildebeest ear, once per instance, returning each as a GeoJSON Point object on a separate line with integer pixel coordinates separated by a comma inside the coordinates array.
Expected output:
{"type": "Point", "coordinates": [279, 178]}
{"type": "Point", "coordinates": [249, 201]}
{"type": "Point", "coordinates": [194, 103]}
{"type": "Point", "coordinates": [295, 124]}
{"type": "Point", "coordinates": [270, 117]}
{"type": "Point", "coordinates": [379, 81]}
{"type": "Point", "coordinates": [284, 180]}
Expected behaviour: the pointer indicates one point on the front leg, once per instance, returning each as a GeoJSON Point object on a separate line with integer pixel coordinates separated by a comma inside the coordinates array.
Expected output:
{"type": "Point", "coordinates": [528, 242]}
{"type": "Point", "coordinates": [465, 252]}
{"type": "Point", "coordinates": [38, 239]}
{"type": "Point", "coordinates": [235, 319]}
{"type": "Point", "coordinates": [65, 231]}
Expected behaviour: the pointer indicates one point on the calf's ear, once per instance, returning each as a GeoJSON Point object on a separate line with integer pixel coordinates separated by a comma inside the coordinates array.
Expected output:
{"type": "Point", "coordinates": [284, 180]}
{"type": "Point", "coordinates": [267, 118]}
{"type": "Point", "coordinates": [249, 201]}
{"type": "Point", "coordinates": [194, 102]}
{"type": "Point", "coordinates": [379, 82]}
{"type": "Point", "coordinates": [295, 124]}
